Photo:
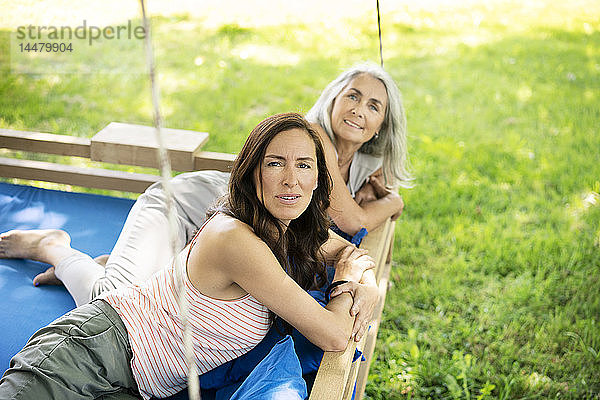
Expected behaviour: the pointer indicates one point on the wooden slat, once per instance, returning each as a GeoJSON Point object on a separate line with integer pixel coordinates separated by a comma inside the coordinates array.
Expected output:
{"type": "Point", "coordinates": [377, 242]}
{"type": "Point", "coordinates": [382, 274]}
{"type": "Point", "coordinates": [378, 245]}
{"type": "Point", "coordinates": [131, 144]}
{"type": "Point", "coordinates": [369, 348]}
{"type": "Point", "coordinates": [333, 373]}
{"type": "Point", "coordinates": [337, 374]}
{"type": "Point", "coordinates": [72, 175]}
{"type": "Point", "coordinates": [349, 387]}
{"type": "Point", "coordinates": [211, 160]}
{"type": "Point", "coordinates": [371, 339]}
{"type": "Point", "coordinates": [48, 143]}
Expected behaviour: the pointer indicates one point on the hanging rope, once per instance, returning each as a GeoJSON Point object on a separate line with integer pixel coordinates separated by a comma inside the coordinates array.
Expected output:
{"type": "Point", "coordinates": [165, 171]}
{"type": "Point", "coordinates": [379, 28]}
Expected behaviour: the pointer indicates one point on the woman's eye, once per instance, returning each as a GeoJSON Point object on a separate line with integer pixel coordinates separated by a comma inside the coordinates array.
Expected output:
{"type": "Point", "coordinates": [374, 107]}
{"type": "Point", "coordinates": [352, 96]}
{"type": "Point", "coordinates": [273, 164]}
{"type": "Point", "coordinates": [304, 165]}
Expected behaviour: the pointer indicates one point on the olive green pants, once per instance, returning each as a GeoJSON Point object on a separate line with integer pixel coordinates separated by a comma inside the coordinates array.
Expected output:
{"type": "Point", "coordinates": [84, 354]}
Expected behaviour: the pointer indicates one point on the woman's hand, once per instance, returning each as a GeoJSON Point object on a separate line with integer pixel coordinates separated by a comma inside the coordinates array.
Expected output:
{"type": "Point", "coordinates": [351, 263]}
{"type": "Point", "coordinates": [381, 191]}
{"type": "Point", "coordinates": [365, 299]}
{"type": "Point", "coordinates": [365, 194]}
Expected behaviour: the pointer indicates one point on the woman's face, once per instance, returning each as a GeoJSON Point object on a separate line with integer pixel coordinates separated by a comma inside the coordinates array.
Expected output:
{"type": "Point", "coordinates": [289, 175]}
{"type": "Point", "coordinates": [359, 109]}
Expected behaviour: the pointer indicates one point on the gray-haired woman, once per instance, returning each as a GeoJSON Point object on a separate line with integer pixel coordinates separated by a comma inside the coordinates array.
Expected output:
{"type": "Point", "coordinates": [362, 124]}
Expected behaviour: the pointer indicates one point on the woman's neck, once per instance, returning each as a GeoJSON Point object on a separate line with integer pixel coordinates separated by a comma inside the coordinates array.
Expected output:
{"type": "Point", "coordinates": [345, 152]}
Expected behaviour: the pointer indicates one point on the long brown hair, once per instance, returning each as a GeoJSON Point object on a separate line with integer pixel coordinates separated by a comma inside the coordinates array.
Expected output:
{"type": "Point", "coordinates": [296, 249]}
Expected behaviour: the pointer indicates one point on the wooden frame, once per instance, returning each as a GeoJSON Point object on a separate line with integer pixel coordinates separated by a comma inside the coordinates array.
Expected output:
{"type": "Point", "coordinates": [134, 145]}
{"type": "Point", "coordinates": [116, 143]}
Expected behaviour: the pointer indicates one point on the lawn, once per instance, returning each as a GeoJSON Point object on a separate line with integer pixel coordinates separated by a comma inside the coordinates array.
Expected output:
{"type": "Point", "coordinates": [495, 285]}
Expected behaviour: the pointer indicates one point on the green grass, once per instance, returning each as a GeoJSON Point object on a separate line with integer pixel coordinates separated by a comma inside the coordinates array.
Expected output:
{"type": "Point", "coordinates": [495, 285]}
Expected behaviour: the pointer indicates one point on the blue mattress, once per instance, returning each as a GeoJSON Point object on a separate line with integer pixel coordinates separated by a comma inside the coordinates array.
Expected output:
{"type": "Point", "coordinates": [94, 223]}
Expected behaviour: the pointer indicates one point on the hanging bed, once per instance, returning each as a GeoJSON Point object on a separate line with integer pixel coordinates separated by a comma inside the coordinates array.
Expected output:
{"type": "Point", "coordinates": [94, 222]}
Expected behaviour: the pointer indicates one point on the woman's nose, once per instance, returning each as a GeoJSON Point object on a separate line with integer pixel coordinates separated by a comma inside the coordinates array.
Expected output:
{"type": "Point", "coordinates": [289, 177]}
{"type": "Point", "coordinates": [358, 111]}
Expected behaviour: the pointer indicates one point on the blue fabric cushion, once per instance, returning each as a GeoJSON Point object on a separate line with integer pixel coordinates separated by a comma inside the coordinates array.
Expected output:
{"type": "Point", "coordinates": [277, 377]}
{"type": "Point", "coordinates": [94, 223]}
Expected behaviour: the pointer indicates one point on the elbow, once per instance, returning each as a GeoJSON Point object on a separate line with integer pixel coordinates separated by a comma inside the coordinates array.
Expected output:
{"type": "Point", "coordinates": [349, 224]}
{"type": "Point", "coordinates": [339, 346]}
{"type": "Point", "coordinates": [337, 341]}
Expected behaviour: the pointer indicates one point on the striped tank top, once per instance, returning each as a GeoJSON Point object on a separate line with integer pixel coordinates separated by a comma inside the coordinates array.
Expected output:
{"type": "Point", "coordinates": [221, 329]}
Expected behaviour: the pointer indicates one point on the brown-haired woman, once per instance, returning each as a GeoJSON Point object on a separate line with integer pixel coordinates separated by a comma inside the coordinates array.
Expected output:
{"type": "Point", "coordinates": [259, 251]}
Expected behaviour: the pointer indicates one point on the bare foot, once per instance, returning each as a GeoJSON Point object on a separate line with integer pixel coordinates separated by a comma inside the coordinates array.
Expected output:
{"type": "Point", "coordinates": [102, 259]}
{"type": "Point", "coordinates": [33, 244]}
{"type": "Point", "coordinates": [46, 278]}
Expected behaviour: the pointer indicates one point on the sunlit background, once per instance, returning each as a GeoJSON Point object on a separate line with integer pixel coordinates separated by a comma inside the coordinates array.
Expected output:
{"type": "Point", "coordinates": [496, 270]}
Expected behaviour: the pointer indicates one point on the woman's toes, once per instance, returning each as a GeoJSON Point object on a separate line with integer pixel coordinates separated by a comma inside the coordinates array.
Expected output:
{"type": "Point", "coordinates": [46, 278]}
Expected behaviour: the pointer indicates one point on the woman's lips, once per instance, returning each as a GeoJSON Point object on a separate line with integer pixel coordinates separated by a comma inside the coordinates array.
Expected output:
{"type": "Point", "coordinates": [288, 198]}
{"type": "Point", "coordinates": [352, 124]}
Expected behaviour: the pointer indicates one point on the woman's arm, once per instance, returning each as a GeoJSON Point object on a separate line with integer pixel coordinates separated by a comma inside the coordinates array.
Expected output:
{"type": "Point", "coordinates": [380, 191]}
{"type": "Point", "coordinates": [345, 212]}
{"type": "Point", "coordinates": [238, 255]}
{"type": "Point", "coordinates": [331, 249]}
{"type": "Point", "coordinates": [364, 289]}
{"type": "Point", "coordinates": [365, 294]}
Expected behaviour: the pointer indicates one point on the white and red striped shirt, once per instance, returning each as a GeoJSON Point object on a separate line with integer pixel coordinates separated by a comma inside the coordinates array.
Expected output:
{"type": "Point", "coordinates": [221, 329]}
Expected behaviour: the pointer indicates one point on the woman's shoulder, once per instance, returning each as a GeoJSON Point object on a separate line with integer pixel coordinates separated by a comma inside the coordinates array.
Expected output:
{"type": "Point", "coordinates": [227, 238]}
{"type": "Point", "coordinates": [228, 246]}
{"type": "Point", "coordinates": [328, 147]}
{"type": "Point", "coordinates": [223, 240]}
{"type": "Point", "coordinates": [223, 228]}
{"type": "Point", "coordinates": [322, 134]}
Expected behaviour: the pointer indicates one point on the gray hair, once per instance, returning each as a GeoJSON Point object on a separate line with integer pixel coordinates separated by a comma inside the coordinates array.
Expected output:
{"type": "Point", "coordinates": [390, 144]}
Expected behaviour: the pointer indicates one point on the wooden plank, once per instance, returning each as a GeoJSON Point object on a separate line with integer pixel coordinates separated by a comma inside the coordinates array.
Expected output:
{"type": "Point", "coordinates": [337, 374]}
{"type": "Point", "coordinates": [131, 144]}
{"type": "Point", "coordinates": [330, 382]}
{"type": "Point", "coordinates": [377, 242]}
{"type": "Point", "coordinates": [369, 348]}
{"type": "Point", "coordinates": [72, 175]}
{"type": "Point", "coordinates": [211, 160]}
{"type": "Point", "coordinates": [354, 367]}
{"type": "Point", "coordinates": [382, 275]}
{"type": "Point", "coordinates": [48, 143]}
